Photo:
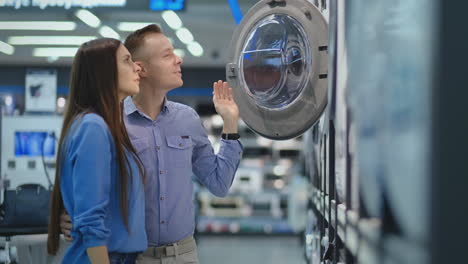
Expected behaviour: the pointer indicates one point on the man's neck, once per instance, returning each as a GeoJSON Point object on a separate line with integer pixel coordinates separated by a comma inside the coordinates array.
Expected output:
{"type": "Point", "coordinates": [149, 100]}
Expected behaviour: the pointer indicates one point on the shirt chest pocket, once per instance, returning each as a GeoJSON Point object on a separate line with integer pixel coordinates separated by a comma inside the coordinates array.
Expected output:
{"type": "Point", "coordinates": [180, 151]}
{"type": "Point", "coordinates": [142, 146]}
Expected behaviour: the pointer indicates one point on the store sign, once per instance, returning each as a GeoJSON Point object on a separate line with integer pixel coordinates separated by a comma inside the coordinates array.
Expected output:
{"type": "Point", "coordinates": [159, 5]}
{"type": "Point", "coordinates": [41, 90]}
{"type": "Point", "coordinates": [62, 3]}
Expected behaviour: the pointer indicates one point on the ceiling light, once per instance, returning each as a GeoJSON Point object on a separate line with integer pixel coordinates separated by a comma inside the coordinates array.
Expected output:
{"type": "Point", "coordinates": [180, 52]}
{"type": "Point", "coordinates": [132, 26]}
{"type": "Point", "coordinates": [279, 184]}
{"type": "Point", "coordinates": [88, 18]}
{"type": "Point", "coordinates": [108, 32]}
{"type": "Point", "coordinates": [279, 170]}
{"type": "Point", "coordinates": [184, 35]}
{"type": "Point", "coordinates": [8, 100]}
{"type": "Point", "coordinates": [195, 49]}
{"type": "Point", "coordinates": [217, 121]}
{"type": "Point", "coordinates": [49, 40]}
{"type": "Point", "coordinates": [6, 48]}
{"type": "Point", "coordinates": [52, 59]}
{"type": "Point", "coordinates": [264, 142]}
{"type": "Point", "coordinates": [61, 102]}
{"type": "Point", "coordinates": [54, 52]}
{"type": "Point", "coordinates": [172, 19]}
{"type": "Point", "coordinates": [37, 25]}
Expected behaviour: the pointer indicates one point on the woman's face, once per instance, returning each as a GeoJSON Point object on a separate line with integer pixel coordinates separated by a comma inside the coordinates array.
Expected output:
{"type": "Point", "coordinates": [127, 70]}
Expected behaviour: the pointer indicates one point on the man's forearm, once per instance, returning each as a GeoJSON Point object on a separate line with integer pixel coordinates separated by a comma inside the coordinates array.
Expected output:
{"type": "Point", "coordinates": [230, 126]}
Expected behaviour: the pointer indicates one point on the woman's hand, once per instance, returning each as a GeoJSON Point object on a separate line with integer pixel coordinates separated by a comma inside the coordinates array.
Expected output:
{"type": "Point", "coordinates": [66, 226]}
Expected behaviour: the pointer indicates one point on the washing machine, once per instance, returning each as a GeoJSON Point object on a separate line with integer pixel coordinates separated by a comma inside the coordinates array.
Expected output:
{"type": "Point", "coordinates": [278, 67]}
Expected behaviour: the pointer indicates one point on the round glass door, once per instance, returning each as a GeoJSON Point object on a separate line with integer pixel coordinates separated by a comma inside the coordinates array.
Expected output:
{"type": "Point", "coordinates": [278, 67]}
{"type": "Point", "coordinates": [275, 62]}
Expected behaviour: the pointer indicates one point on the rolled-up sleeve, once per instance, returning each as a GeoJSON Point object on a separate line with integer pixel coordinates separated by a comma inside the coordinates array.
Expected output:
{"type": "Point", "coordinates": [91, 156]}
{"type": "Point", "coordinates": [215, 172]}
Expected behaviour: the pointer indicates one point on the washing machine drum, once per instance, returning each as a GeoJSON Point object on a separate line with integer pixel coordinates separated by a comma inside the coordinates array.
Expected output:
{"type": "Point", "coordinates": [278, 67]}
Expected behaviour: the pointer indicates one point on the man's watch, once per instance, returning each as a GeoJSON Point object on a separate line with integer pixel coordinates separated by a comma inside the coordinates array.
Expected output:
{"type": "Point", "coordinates": [233, 136]}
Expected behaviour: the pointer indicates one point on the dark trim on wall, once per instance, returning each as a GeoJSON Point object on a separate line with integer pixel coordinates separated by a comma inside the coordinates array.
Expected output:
{"type": "Point", "coordinates": [450, 139]}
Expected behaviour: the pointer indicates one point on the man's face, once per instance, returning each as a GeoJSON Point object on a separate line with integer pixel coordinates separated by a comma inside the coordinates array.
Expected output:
{"type": "Point", "coordinates": [161, 65]}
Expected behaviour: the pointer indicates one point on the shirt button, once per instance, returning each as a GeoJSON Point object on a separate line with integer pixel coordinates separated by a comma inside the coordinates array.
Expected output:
{"type": "Point", "coordinates": [158, 147]}
{"type": "Point", "coordinates": [162, 222]}
{"type": "Point", "coordinates": [162, 198]}
{"type": "Point", "coordinates": [180, 145]}
{"type": "Point", "coordinates": [161, 172]}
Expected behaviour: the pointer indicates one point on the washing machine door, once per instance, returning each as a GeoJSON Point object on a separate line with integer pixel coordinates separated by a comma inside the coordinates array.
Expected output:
{"type": "Point", "coordinates": [278, 67]}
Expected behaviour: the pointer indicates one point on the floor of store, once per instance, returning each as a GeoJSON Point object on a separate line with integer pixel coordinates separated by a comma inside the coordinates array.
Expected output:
{"type": "Point", "coordinates": [250, 249]}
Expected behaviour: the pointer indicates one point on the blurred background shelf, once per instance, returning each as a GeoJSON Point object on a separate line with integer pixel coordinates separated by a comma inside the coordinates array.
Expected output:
{"type": "Point", "coordinates": [251, 225]}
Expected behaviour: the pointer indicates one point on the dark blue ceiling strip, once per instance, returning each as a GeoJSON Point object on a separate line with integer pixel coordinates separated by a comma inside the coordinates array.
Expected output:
{"type": "Point", "coordinates": [236, 11]}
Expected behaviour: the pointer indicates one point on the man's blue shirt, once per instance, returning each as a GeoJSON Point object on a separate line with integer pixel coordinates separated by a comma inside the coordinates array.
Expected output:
{"type": "Point", "coordinates": [172, 148]}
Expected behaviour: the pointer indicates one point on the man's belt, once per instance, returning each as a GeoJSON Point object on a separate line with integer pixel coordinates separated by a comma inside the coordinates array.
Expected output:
{"type": "Point", "coordinates": [181, 247]}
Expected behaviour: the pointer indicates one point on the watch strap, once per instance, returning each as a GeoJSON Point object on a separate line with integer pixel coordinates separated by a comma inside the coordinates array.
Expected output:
{"type": "Point", "coordinates": [230, 136]}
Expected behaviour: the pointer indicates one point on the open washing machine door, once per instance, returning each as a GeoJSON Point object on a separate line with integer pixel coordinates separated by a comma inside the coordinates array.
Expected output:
{"type": "Point", "coordinates": [278, 67]}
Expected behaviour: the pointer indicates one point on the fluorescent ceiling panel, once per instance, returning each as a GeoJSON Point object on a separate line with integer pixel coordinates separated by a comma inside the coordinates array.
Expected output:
{"type": "Point", "coordinates": [184, 35]}
{"type": "Point", "coordinates": [108, 32]}
{"type": "Point", "coordinates": [6, 48]}
{"type": "Point", "coordinates": [180, 52]}
{"type": "Point", "coordinates": [49, 40]}
{"type": "Point", "coordinates": [38, 25]}
{"type": "Point", "coordinates": [132, 26]}
{"type": "Point", "coordinates": [54, 52]}
{"type": "Point", "coordinates": [172, 19]}
{"type": "Point", "coordinates": [88, 18]}
{"type": "Point", "coordinates": [195, 49]}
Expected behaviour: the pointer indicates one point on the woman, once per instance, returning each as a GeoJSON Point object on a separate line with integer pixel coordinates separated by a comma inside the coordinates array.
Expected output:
{"type": "Point", "coordinates": [99, 175]}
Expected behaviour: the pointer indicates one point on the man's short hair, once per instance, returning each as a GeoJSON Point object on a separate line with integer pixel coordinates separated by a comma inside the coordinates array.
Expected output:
{"type": "Point", "coordinates": [135, 40]}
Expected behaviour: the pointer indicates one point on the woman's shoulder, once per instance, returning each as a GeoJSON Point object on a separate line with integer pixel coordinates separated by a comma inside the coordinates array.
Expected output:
{"type": "Point", "coordinates": [88, 129]}
{"type": "Point", "coordinates": [90, 125]}
{"type": "Point", "coordinates": [93, 118]}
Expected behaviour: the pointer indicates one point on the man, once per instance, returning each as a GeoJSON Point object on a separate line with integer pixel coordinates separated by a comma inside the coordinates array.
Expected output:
{"type": "Point", "coordinates": [172, 143]}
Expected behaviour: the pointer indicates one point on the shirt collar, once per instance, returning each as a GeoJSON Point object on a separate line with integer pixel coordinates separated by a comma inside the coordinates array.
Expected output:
{"type": "Point", "coordinates": [165, 108]}
{"type": "Point", "coordinates": [130, 107]}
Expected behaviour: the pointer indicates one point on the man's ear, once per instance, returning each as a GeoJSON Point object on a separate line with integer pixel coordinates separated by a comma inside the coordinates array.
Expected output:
{"type": "Point", "coordinates": [143, 71]}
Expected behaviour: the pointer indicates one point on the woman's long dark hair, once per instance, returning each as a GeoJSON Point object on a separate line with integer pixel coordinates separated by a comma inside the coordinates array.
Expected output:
{"type": "Point", "coordinates": [94, 89]}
